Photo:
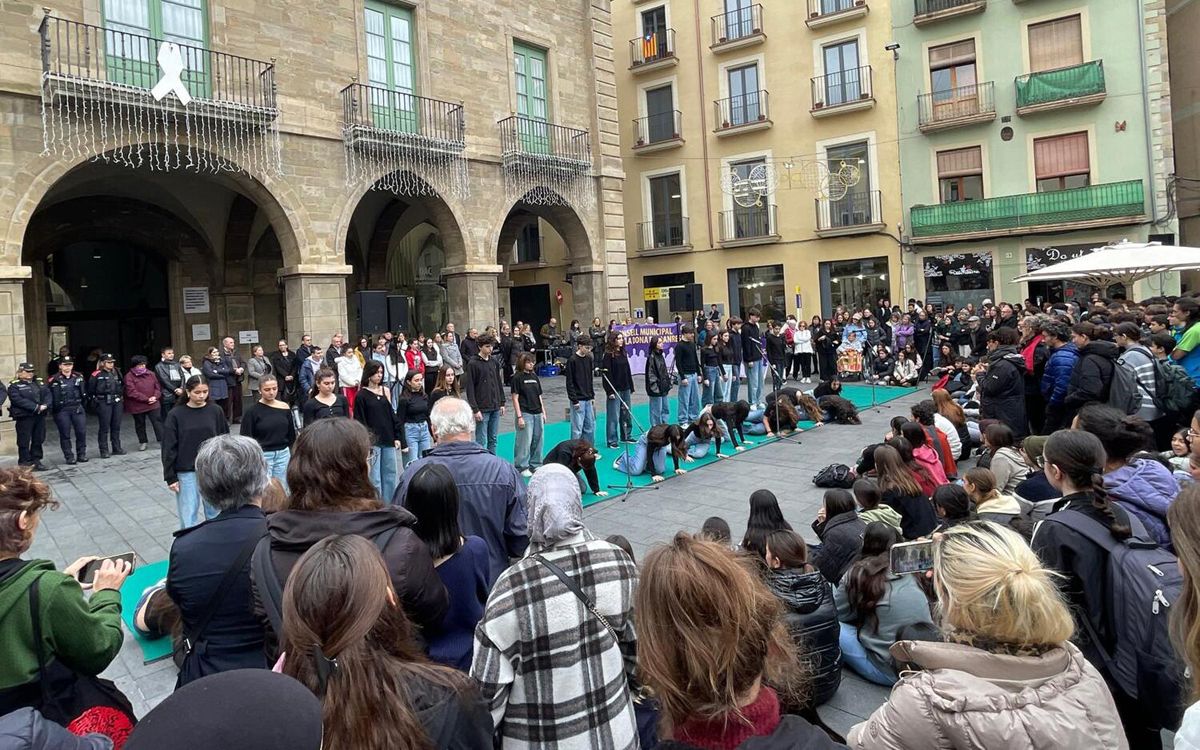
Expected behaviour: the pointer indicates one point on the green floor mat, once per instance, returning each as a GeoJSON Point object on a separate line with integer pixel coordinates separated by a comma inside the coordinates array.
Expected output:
{"type": "Point", "coordinates": [131, 591]}
{"type": "Point", "coordinates": [614, 481]}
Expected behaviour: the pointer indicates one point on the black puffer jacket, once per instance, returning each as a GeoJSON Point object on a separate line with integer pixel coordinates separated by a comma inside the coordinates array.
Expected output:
{"type": "Point", "coordinates": [841, 542]}
{"type": "Point", "coordinates": [811, 620]}
{"type": "Point", "coordinates": [1093, 374]}
{"type": "Point", "coordinates": [1002, 389]}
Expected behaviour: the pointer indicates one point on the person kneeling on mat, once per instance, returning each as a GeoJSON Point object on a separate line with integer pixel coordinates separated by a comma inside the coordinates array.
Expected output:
{"type": "Point", "coordinates": [579, 456]}
{"type": "Point", "coordinates": [651, 452]}
{"type": "Point", "coordinates": [731, 415]}
{"type": "Point", "coordinates": [701, 434]}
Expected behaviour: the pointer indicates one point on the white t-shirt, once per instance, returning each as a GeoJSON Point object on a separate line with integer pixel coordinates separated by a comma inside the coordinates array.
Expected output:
{"type": "Point", "coordinates": [1188, 736]}
{"type": "Point", "coordinates": [946, 426]}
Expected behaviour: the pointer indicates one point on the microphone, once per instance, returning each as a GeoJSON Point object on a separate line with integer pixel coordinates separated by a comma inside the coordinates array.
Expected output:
{"type": "Point", "coordinates": [601, 369]}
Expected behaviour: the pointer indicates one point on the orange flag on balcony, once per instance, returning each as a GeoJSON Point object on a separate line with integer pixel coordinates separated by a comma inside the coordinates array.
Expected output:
{"type": "Point", "coordinates": [650, 46]}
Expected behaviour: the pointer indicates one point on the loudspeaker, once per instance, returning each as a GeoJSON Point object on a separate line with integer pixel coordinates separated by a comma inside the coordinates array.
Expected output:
{"type": "Point", "coordinates": [372, 310]}
{"type": "Point", "coordinates": [397, 313]}
{"type": "Point", "coordinates": [689, 297]}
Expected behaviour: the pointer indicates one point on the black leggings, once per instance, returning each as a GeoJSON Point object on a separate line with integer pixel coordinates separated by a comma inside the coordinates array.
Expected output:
{"type": "Point", "coordinates": [139, 425]}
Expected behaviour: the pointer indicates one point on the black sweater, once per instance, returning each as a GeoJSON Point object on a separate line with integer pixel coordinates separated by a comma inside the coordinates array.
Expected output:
{"type": "Point", "coordinates": [374, 411]}
{"type": "Point", "coordinates": [580, 385]}
{"type": "Point", "coordinates": [314, 409]}
{"type": "Point", "coordinates": [273, 428]}
{"type": "Point", "coordinates": [752, 342]}
{"type": "Point", "coordinates": [413, 408]}
{"type": "Point", "coordinates": [484, 383]}
{"type": "Point", "coordinates": [619, 373]}
{"type": "Point", "coordinates": [775, 348]}
{"type": "Point", "coordinates": [561, 454]}
{"type": "Point", "coordinates": [686, 360]}
{"type": "Point", "coordinates": [185, 430]}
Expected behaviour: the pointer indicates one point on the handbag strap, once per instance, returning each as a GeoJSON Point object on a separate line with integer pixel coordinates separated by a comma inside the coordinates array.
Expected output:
{"type": "Point", "coordinates": [194, 635]}
{"type": "Point", "coordinates": [574, 588]}
{"type": "Point", "coordinates": [35, 616]}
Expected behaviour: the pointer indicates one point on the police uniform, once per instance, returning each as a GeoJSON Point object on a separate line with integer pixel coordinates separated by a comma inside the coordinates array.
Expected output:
{"type": "Point", "coordinates": [26, 399]}
{"type": "Point", "coordinates": [66, 403]}
{"type": "Point", "coordinates": [107, 393]}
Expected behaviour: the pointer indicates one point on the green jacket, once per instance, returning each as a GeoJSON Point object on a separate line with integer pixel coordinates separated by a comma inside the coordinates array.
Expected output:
{"type": "Point", "coordinates": [83, 634]}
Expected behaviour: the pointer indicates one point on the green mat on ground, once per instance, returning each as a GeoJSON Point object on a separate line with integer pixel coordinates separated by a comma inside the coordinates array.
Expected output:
{"type": "Point", "coordinates": [141, 579]}
{"type": "Point", "coordinates": [556, 432]}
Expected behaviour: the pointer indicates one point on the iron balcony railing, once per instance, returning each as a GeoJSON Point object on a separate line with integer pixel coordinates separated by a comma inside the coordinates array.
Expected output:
{"type": "Point", "coordinates": [666, 232]}
{"type": "Point", "coordinates": [657, 128]}
{"type": "Point", "coordinates": [373, 114]}
{"type": "Point", "coordinates": [851, 210]}
{"type": "Point", "coordinates": [526, 139]}
{"type": "Point", "coordinates": [652, 48]}
{"type": "Point", "coordinates": [1072, 82]}
{"type": "Point", "coordinates": [110, 64]}
{"type": "Point", "coordinates": [819, 8]}
{"type": "Point", "coordinates": [743, 109]}
{"type": "Point", "coordinates": [841, 87]}
{"type": "Point", "coordinates": [952, 104]}
{"type": "Point", "coordinates": [1096, 202]}
{"type": "Point", "coordinates": [928, 7]}
{"type": "Point", "coordinates": [748, 223]}
{"type": "Point", "coordinates": [737, 24]}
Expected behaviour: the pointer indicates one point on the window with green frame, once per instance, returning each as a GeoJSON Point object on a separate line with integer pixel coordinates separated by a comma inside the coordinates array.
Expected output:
{"type": "Point", "coordinates": [390, 66]}
{"type": "Point", "coordinates": [131, 59]}
{"type": "Point", "coordinates": [529, 66]}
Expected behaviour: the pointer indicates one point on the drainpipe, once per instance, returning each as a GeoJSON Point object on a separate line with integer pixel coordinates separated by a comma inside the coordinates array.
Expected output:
{"type": "Point", "coordinates": [704, 127]}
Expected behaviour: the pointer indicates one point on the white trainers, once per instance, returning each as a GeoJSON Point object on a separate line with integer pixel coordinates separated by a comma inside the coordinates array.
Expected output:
{"type": "Point", "coordinates": [527, 473]}
{"type": "Point", "coordinates": [142, 446]}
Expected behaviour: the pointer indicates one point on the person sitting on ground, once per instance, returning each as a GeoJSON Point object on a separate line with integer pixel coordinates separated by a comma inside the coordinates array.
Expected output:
{"type": "Point", "coordinates": [1008, 661]}
{"type": "Point", "coordinates": [905, 372]}
{"type": "Point", "coordinates": [344, 629]}
{"type": "Point", "coordinates": [651, 452]}
{"type": "Point", "coordinates": [992, 505]}
{"type": "Point", "coordinates": [948, 412]}
{"type": "Point", "coordinates": [580, 457]}
{"type": "Point", "coordinates": [903, 494]}
{"type": "Point", "coordinates": [522, 669]}
{"type": "Point", "coordinates": [716, 529]}
{"type": "Point", "coordinates": [876, 606]}
{"type": "Point", "coordinates": [1180, 450]}
{"type": "Point", "coordinates": [809, 613]}
{"type": "Point", "coordinates": [765, 517]}
{"type": "Point", "coordinates": [1035, 487]}
{"type": "Point", "coordinates": [715, 653]}
{"type": "Point", "coordinates": [1005, 462]}
{"type": "Point", "coordinates": [840, 530]}
{"type": "Point", "coordinates": [941, 435]}
{"type": "Point", "coordinates": [831, 387]}
{"type": "Point", "coordinates": [870, 504]}
{"type": "Point", "coordinates": [925, 456]}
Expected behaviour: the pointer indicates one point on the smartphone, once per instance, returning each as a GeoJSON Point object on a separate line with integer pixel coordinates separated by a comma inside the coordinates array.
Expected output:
{"type": "Point", "coordinates": [87, 574]}
{"type": "Point", "coordinates": [912, 557]}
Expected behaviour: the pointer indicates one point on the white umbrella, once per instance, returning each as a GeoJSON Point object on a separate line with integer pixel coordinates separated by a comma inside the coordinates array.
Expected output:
{"type": "Point", "coordinates": [1123, 263]}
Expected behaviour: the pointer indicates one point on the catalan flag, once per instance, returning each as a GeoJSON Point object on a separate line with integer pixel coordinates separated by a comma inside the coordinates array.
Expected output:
{"type": "Point", "coordinates": [650, 46]}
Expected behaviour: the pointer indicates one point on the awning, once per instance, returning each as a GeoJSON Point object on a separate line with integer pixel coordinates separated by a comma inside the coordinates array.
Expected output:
{"type": "Point", "coordinates": [1122, 263]}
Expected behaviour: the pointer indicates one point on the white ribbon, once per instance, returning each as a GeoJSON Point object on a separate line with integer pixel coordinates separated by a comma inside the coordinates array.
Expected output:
{"type": "Point", "coordinates": [170, 59]}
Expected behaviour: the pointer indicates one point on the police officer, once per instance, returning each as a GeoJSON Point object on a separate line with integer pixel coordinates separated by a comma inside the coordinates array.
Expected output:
{"type": "Point", "coordinates": [28, 400]}
{"type": "Point", "coordinates": [66, 403]}
{"type": "Point", "coordinates": [106, 389]}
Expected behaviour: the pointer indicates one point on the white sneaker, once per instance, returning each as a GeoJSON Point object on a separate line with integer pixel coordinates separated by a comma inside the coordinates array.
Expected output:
{"type": "Point", "coordinates": [527, 473]}
{"type": "Point", "coordinates": [142, 447]}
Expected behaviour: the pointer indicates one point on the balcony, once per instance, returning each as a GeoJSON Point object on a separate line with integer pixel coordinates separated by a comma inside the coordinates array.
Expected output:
{"type": "Point", "coordinates": [528, 145]}
{"type": "Point", "coordinates": [655, 52]}
{"type": "Point", "coordinates": [658, 132]}
{"type": "Point", "coordinates": [854, 213]}
{"type": "Point", "coordinates": [954, 108]}
{"type": "Point", "coordinates": [743, 113]}
{"type": "Point", "coordinates": [738, 28]}
{"type": "Point", "coordinates": [666, 236]}
{"type": "Point", "coordinates": [121, 70]}
{"type": "Point", "coordinates": [742, 227]}
{"type": "Point", "coordinates": [379, 119]}
{"type": "Point", "coordinates": [841, 92]}
{"type": "Point", "coordinates": [932, 11]}
{"type": "Point", "coordinates": [1074, 86]}
{"type": "Point", "coordinates": [828, 12]}
{"type": "Point", "coordinates": [1097, 205]}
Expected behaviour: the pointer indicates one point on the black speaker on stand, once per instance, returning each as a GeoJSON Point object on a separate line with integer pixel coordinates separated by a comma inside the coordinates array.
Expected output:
{"type": "Point", "coordinates": [398, 314]}
{"type": "Point", "coordinates": [689, 297]}
{"type": "Point", "coordinates": [371, 308]}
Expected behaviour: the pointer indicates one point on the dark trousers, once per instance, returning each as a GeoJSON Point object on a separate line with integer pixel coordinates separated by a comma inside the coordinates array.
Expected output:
{"type": "Point", "coordinates": [110, 425]}
{"type": "Point", "coordinates": [1055, 415]}
{"type": "Point", "coordinates": [803, 366]}
{"type": "Point", "coordinates": [31, 433]}
{"type": "Point", "coordinates": [1035, 410]}
{"type": "Point", "coordinates": [68, 419]}
{"type": "Point", "coordinates": [777, 374]}
{"type": "Point", "coordinates": [164, 407]}
{"type": "Point", "coordinates": [139, 425]}
{"type": "Point", "coordinates": [236, 402]}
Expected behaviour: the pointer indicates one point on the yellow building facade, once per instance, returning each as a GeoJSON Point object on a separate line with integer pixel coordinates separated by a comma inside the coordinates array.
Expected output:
{"type": "Point", "coordinates": [759, 144]}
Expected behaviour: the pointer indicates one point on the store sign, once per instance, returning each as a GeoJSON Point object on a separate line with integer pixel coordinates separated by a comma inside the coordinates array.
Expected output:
{"type": "Point", "coordinates": [960, 264]}
{"type": "Point", "coordinates": [1037, 258]}
{"type": "Point", "coordinates": [656, 293]}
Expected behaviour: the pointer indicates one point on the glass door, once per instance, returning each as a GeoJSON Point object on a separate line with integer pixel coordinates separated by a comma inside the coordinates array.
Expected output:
{"type": "Point", "coordinates": [842, 82]}
{"type": "Point", "coordinates": [132, 59]}
{"type": "Point", "coordinates": [666, 210]}
{"type": "Point", "coordinates": [654, 34]}
{"type": "Point", "coordinates": [530, 66]}
{"type": "Point", "coordinates": [743, 95]}
{"type": "Point", "coordinates": [854, 208]}
{"type": "Point", "coordinates": [390, 67]}
{"type": "Point", "coordinates": [755, 220]}
{"type": "Point", "coordinates": [660, 114]}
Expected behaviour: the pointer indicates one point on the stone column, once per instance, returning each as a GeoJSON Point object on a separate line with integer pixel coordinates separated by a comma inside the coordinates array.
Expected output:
{"type": "Point", "coordinates": [589, 294]}
{"type": "Point", "coordinates": [13, 344]}
{"type": "Point", "coordinates": [315, 296]}
{"type": "Point", "coordinates": [472, 295]}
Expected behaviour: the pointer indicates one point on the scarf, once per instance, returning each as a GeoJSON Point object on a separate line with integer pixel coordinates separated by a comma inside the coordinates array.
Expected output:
{"type": "Point", "coordinates": [1028, 352]}
{"type": "Point", "coordinates": [729, 731]}
{"type": "Point", "coordinates": [555, 505]}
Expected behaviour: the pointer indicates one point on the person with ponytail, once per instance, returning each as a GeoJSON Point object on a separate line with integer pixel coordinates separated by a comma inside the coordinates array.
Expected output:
{"type": "Point", "coordinates": [991, 505]}
{"type": "Point", "coordinates": [901, 490]}
{"type": "Point", "coordinates": [347, 639]}
{"type": "Point", "coordinates": [1184, 517]}
{"type": "Point", "coordinates": [1006, 673]}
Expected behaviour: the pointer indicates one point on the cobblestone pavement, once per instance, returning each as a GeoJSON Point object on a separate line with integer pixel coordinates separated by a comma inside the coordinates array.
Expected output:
{"type": "Point", "coordinates": [119, 504]}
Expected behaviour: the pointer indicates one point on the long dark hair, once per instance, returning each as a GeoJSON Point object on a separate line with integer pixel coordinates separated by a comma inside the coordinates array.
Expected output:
{"type": "Point", "coordinates": [894, 473]}
{"type": "Point", "coordinates": [765, 517]}
{"type": "Point", "coordinates": [837, 502]}
{"type": "Point", "coordinates": [1121, 435]}
{"type": "Point", "coordinates": [789, 548]}
{"type": "Point", "coordinates": [1080, 457]}
{"type": "Point", "coordinates": [322, 373]}
{"type": "Point", "coordinates": [866, 581]}
{"type": "Point", "coordinates": [705, 426]}
{"type": "Point", "coordinates": [610, 345]}
{"type": "Point", "coordinates": [432, 496]}
{"type": "Point", "coordinates": [440, 385]}
{"type": "Point", "coordinates": [370, 368]}
{"type": "Point", "coordinates": [328, 469]}
{"type": "Point", "coordinates": [787, 414]}
{"type": "Point", "coordinates": [583, 455]}
{"type": "Point", "coordinates": [953, 501]}
{"type": "Point", "coordinates": [667, 434]}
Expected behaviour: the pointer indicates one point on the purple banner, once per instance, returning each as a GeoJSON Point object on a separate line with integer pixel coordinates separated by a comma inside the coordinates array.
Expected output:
{"type": "Point", "coordinates": [637, 343]}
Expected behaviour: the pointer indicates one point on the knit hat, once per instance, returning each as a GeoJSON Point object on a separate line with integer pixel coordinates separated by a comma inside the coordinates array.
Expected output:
{"type": "Point", "coordinates": [555, 505]}
{"type": "Point", "coordinates": [245, 709]}
{"type": "Point", "coordinates": [1033, 446]}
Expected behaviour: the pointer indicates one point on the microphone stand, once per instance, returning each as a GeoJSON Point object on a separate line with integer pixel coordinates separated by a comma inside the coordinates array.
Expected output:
{"type": "Point", "coordinates": [629, 486]}
{"type": "Point", "coordinates": [776, 380]}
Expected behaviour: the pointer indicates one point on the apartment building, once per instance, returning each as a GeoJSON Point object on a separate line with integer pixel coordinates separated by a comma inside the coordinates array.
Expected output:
{"type": "Point", "coordinates": [760, 152]}
{"type": "Point", "coordinates": [1031, 131]}
{"type": "Point", "coordinates": [1183, 34]}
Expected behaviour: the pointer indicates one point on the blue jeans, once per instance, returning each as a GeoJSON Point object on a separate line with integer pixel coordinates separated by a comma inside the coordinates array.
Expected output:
{"type": "Point", "coordinates": [383, 471]}
{"type": "Point", "coordinates": [394, 389]}
{"type": "Point", "coordinates": [527, 451]}
{"type": "Point", "coordinates": [754, 382]}
{"type": "Point", "coordinates": [712, 391]}
{"type": "Point", "coordinates": [734, 385]}
{"type": "Point", "coordinates": [856, 657]}
{"type": "Point", "coordinates": [277, 463]}
{"type": "Point", "coordinates": [689, 398]}
{"type": "Point", "coordinates": [638, 459]}
{"type": "Point", "coordinates": [698, 448]}
{"type": "Point", "coordinates": [757, 425]}
{"type": "Point", "coordinates": [487, 430]}
{"type": "Point", "coordinates": [660, 410]}
{"type": "Point", "coordinates": [618, 415]}
{"type": "Point", "coordinates": [418, 440]}
{"type": "Point", "coordinates": [192, 509]}
{"type": "Point", "coordinates": [583, 421]}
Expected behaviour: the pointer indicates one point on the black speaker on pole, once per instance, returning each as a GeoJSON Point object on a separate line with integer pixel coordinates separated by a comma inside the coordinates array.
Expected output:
{"type": "Point", "coordinates": [689, 297]}
{"type": "Point", "coordinates": [397, 313]}
{"type": "Point", "coordinates": [372, 310]}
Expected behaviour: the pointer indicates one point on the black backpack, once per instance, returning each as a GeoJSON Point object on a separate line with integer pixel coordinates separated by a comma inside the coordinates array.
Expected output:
{"type": "Point", "coordinates": [838, 476]}
{"type": "Point", "coordinates": [1145, 583]}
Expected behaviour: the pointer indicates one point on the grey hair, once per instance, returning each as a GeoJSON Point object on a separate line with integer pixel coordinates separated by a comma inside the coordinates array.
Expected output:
{"type": "Point", "coordinates": [231, 471]}
{"type": "Point", "coordinates": [452, 416]}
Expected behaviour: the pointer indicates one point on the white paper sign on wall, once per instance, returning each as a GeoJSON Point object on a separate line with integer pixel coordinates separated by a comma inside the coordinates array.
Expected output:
{"type": "Point", "coordinates": [195, 300]}
{"type": "Point", "coordinates": [247, 337]}
{"type": "Point", "coordinates": [201, 332]}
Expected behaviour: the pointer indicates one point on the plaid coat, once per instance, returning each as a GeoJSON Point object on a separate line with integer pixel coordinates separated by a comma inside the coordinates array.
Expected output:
{"type": "Point", "coordinates": [547, 666]}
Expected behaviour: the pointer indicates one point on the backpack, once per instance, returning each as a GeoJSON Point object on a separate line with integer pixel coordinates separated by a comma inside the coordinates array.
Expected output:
{"type": "Point", "coordinates": [838, 476]}
{"type": "Point", "coordinates": [1175, 392]}
{"type": "Point", "coordinates": [1124, 394]}
{"type": "Point", "coordinates": [1144, 582]}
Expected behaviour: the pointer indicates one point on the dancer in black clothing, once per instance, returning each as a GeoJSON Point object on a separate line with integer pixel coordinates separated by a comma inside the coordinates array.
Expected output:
{"type": "Point", "coordinates": [651, 452]}
{"type": "Point", "coordinates": [701, 434]}
{"type": "Point", "coordinates": [580, 457]}
{"type": "Point", "coordinates": [324, 401]}
{"type": "Point", "coordinates": [733, 414]}
{"type": "Point", "coordinates": [412, 416]}
{"type": "Point", "coordinates": [781, 417]}
{"type": "Point", "coordinates": [617, 378]}
{"type": "Point", "coordinates": [269, 421]}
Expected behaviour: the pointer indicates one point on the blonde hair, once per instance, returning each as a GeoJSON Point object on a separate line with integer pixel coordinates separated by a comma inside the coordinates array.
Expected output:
{"type": "Point", "coordinates": [1183, 516]}
{"type": "Point", "coordinates": [991, 584]}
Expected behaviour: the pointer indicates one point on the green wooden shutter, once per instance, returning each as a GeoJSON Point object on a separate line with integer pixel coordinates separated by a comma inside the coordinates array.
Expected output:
{"type": "Point", "coordinates": [529, 64]}
{"type": "Point", "coordinates": [133, 62]}
{"type": "Point", "coordinates": [390, 66]}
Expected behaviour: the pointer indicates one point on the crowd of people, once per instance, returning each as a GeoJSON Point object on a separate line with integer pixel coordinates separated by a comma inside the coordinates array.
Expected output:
{"type": "Point", "coordinates": [363, 571]}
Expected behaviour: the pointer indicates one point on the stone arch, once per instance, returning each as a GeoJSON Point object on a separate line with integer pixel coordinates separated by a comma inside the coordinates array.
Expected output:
{"type": "Point", "coordinates": [581, 245]}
